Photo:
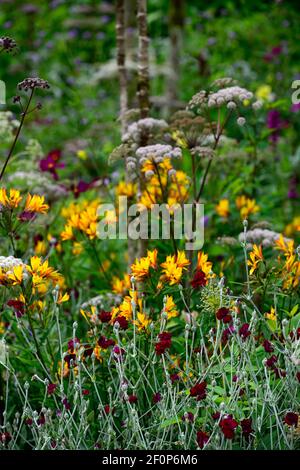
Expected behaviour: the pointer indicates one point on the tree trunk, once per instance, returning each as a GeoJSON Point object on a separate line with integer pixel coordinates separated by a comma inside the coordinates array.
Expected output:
{"type": "Point", "coordinates": [121, 59]}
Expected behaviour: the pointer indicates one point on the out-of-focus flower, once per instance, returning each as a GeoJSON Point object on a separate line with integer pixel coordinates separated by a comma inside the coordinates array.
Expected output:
{"type": "Point", "coordinates": [246, 206]}
{"type": "Point", "coordinates": [264, 93]}
{"type": "Point", "coordinates": [223, 314]}
{"type": "Point", "coordinates": [11, 200]}
{"type": "Point", "coordinates": [170, 307]}
{"type": "Point", "coordinates": [291, 419]}
{"type": "Point", "coordinates": [199, 391]}
{"type": "Point", "coordinates": [222, 208]}
{"type": "Point", "coordinates": [51, 163]}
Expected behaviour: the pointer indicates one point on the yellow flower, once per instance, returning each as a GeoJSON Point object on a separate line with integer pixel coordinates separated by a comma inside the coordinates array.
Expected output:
{"type": "Point", "coordinates": [36, 203]}
{"type": "Point", "coordinates": [222, 208]}
{"type": "Point", "coordinates": [140, 269]}
{"type": "Point", "coordinates": [41, 271]}
{"type": "Point", "coordinates": [125, 188]}
{"type": "Point", "coordinates": [16, 277]}
{"type": "Point", "coordinates": [12, 201]}
{"type": "Point", "coordinates": [40, 248]}
{"type": "Point", "coordinates": [293, 227]}
{"type": "Point", "coordinates": [263, 92]}
{"type": "Point", "coordinates": [82, 154]}
{"type": "Point", "coordinates": [287, 246]}
{"type": "Point", "coordinates": [77, 248]}
{"type": "Point", "coordinates": [203, 264]}
{"type": "Point", "coordinates": [180, 139]}
{"type": "Point", "coordinates": [170, 307]}
{"type": "Point", "coordinates": [256, 257]}
{"type": "Point", "coordinates": [271, 315]}
{"type": "Point", "coordinates": [121, 286]}
{"type": "Point", "coordinates": [172, 273]}
{"type": "Point", "coordinates": [67, 233]}
{"type": "Point", "coordinates": [181, 259]}
{"type": "Point", "coordinates": [142, 321]}
{"type": "Point", "coordinates": [63, 298]}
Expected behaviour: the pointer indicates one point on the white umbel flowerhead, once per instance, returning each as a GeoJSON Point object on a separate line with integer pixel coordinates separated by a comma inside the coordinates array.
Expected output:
{"type": "Point", "coordinates": [241, 121]}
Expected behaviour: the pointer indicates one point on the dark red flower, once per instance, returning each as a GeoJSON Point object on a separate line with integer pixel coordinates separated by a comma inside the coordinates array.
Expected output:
{"type": "Point", "coordinates": [202, 439]}
{"type": "Point", "coordinates": [5, 437]}
{"type": "Point", "coordinates": [216, 415]}
{"type": "Point", "coordinates": [104, 316]}
{"type": "Point", "coordinates": [199, 390]}
{"type": "Point", "coordinates": [163, 344]}
{"type": "Point", "coordinates": [53, 444]}
{"type": "Point", "coordinates": [51, 163]}
{"type": "Point", "coordinates": [227, 333]}
{"type": "Point", "coordinates": [279, 373]}
{"type": "Point", "coordinates": [18, 307]}
{"type": "Point", "coordinates": [156, 397]}
{"type": "Point", "coordinates": [271, 361]}
{"type": "Point", "coordinates": [73, 344]}
{"type": "Point", "coordinates": [295, 334]}
{"type": "Point", "coordinates": [26, 216]}
{"type": "Point", "coordinates": [85, 392]}
{"type": "Point", "coordinates": [246, 425]}
{"type": "Point", "coordinates": [118, 352]}
{"type": "Point", "coordinates": [105, 343]}
{"type": "Point", "coordinates": [244, 331]}
{"type": "Point", "coordinates": [298, 376]}
{"type": "Point", "coordinates": [123, 322]}
{"type": "Point", "coordinates": [132, 398]}
{"type": "Point", "coordinates": [228, 425]}
{"type": "Point", "coordinates": [51, 388]}
{"type": "Point", "coordinates": [188, 417]}
{"type": "Point", "coordinates": [28, 421]}
{"type": "Point", "coordinates": [291, 419]}
{"type": "Point", "coordinates": [107, 409]}
{"type": "Point", "coordinates": [70, 357]}
{"type": "Point", "coordinates": [199, 280]}
{"type": "Point", "coordinates": [223, 314]}
{"type": "Point", "coordinates": [174, 378]}
{"type": "Point", "coordinates": [66, 404]}
{"type": "Point", "coordinates": [268, 347]}
{"type": "Point", "coordinates": [41, 420]}
{"type": "Point", "coordinates": [80, 187]}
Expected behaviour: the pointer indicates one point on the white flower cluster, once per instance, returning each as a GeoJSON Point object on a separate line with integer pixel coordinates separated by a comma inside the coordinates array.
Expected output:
{"type": "Point", "coordinates": [8, 125]}
{"type": "Point", "coordinates": [41, 183]}
{"type": "Point", "coordinates": [8, 263]}
{"type": "Point", "coordinates": [265, 237]}
{"type": "Point", "coordinates": [137, 128]}
{"type": "Point", "coordinates": [155, 152]}
{"type": "Point", "coordinates": [103, 301]}
{"type": "Point", "coordinates": [232, 94]}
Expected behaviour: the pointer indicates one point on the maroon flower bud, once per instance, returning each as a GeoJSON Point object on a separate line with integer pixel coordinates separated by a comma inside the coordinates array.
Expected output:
{"type": "Point", "coordinates": [174, 378]}
{"type": "Point", "coordinates": [246, 425]}
{"type": "Point", "coordinates": [156, 397]}
{"type": "Point", "coordinates": [202, 439]}
{"type": "Point", "coordinates": [199, 391]}
{"type": "Point", "coordinates": [123, 322]}
{"type": "Point", "coordinates": [188, 417]}
{"type": "Point", "coordinates": [85, 392]}
{"type": "Point", "coordinates": [268, 347]}
{"type": "Point", "coordinates": [291, 419]}
{"type": "Point", "coordinates": [105, 343]}
{"type": "Point", "coordinates": [244, 331]}
{"type": "Point", "coordinates": [51, 388]}
{"type": "Point", "coordinates": [132, 398]}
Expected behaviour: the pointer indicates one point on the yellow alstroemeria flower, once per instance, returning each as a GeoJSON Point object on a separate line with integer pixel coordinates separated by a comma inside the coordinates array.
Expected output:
{"type": "Point", "coordinates": [12, 200]}
{"type": "Point", "coordinates": [256, 257]}
{"type": "Point", "coordinates": [271, 315]}
{"type": "Point", "coordinates": [36, 203]}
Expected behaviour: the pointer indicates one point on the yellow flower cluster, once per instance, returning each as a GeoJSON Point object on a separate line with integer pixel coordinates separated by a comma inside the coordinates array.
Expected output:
{"type": "Point", "coordinates": [82, 217]}
{"type": "Point", "coordinates": [204, 265]}
{"type": "Point", "coordinates": [126, 188]}
{"type": "Point", "coordinates": [173, 268]}
{"type": "Point", "coordinates": [291, 268]}
{"type": "Point", "coordinates": [140, 269]}
{"type": "Point", "coordinates": [121, 286]}
{"type": "Point", "coordinates": [34, 203]}
{"type": "Point", "coordinates": [162, 187]}
{"type": "Point", "coordinates": [246, 206]}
